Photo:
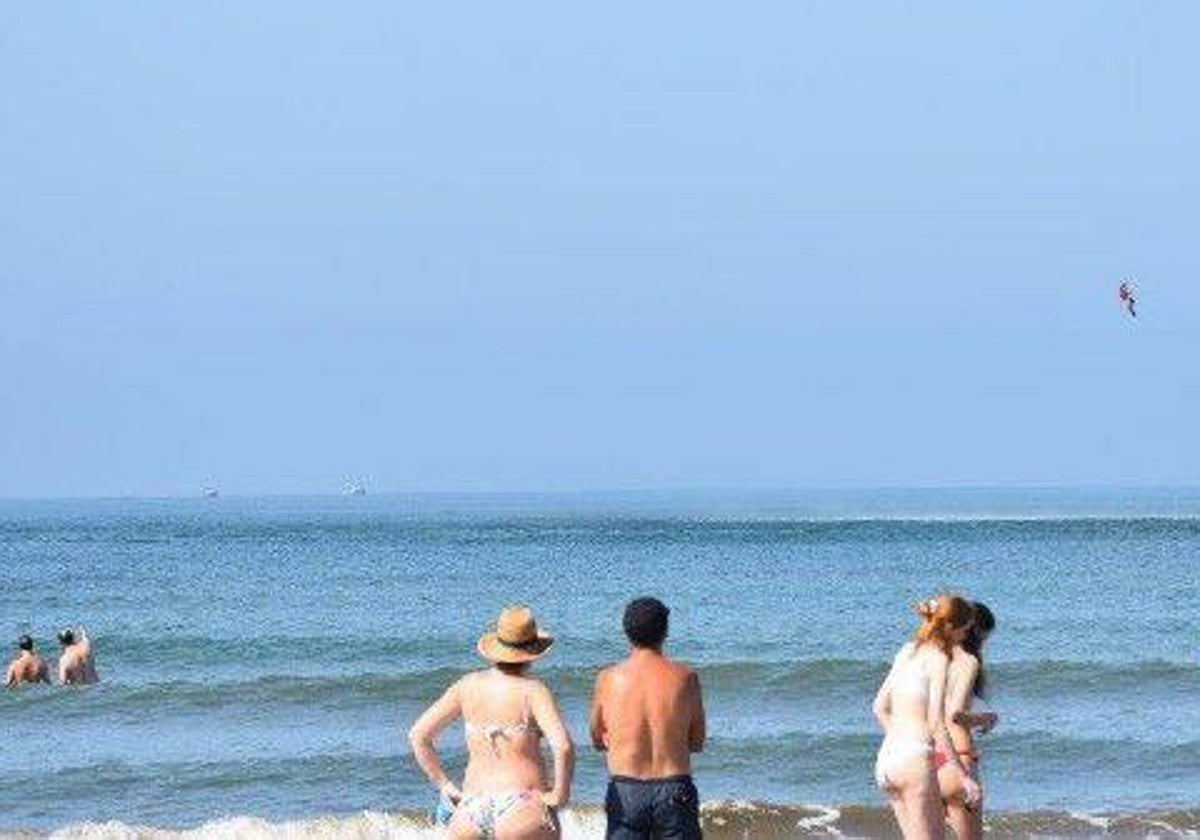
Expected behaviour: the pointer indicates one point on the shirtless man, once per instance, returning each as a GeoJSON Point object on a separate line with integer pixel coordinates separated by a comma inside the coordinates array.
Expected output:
{"type": "Point", "coordinates": [28, 667]}
{"type": "Point", "coordinates": [648, 716]}
{"type": "Point", "coordinates": [77, 665]}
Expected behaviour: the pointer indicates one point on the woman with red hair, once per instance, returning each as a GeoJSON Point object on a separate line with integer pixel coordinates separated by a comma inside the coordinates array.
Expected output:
{"type": "Point", "coordinates": [910, 707]}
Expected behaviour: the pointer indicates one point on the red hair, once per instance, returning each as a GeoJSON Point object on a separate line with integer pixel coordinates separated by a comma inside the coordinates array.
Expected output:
{"type": "Point", "coordinates": [941, 616]}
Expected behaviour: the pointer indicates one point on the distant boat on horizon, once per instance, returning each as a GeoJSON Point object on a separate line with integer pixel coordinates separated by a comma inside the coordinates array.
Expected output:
{"type": "Point", "coordinates": [210, 492]}
{"type": "Point", "coordinates": [353, 488]}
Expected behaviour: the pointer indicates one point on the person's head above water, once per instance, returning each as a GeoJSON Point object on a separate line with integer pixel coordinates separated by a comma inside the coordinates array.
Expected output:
{"type": "Point", "coordinates": [944, 620]}
{"type": "Point", "coordinates": [646, 622]}
{"type": "Point", "coordinates": [25, 643]}
{"type": "Point", "coordinates": [66, 638]}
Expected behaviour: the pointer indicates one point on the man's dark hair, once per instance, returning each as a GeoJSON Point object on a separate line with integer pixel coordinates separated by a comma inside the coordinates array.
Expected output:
{"type": "Point", "coordinates": [66, 637]}
{"type": "Point", "coordinates": [646, 622]}
{"type": "Point", "coordinates": [25, 643]}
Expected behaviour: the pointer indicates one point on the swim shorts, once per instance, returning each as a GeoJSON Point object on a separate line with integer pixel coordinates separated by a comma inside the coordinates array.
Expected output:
{"type": "Point", "coordinates": [640, 809]}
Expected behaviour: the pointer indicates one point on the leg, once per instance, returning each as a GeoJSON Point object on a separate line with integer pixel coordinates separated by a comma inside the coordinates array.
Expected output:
{"type": "Point", "coordinates": [924, 805]}
{"type": "Point", "coordinates": [950, 789]}
{"type": "Point", "coordinates": [960, 819]}
{"type": "Point", "coordinates": [967, 822]}
{"type": "Point", "coordinates": [917, 800]}
{"type": "Point", "coordinates": [900, 810]}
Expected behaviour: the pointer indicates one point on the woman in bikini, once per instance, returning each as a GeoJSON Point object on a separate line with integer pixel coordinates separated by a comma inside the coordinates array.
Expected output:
{"type": "Point", "coordinates": [909, 707]}
{"type": "Point", "coordinates": [506, 714]}
{"type": "Point", "coordinates": [965, 681]}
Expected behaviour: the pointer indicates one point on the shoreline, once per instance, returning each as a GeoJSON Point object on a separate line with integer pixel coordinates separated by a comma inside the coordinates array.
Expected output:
{"type": "Point", "coordinates": [722, 820]}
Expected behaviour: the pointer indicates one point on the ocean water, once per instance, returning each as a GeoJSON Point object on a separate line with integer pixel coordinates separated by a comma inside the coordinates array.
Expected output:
{"type": "Point", "coordinates": [262, 659]}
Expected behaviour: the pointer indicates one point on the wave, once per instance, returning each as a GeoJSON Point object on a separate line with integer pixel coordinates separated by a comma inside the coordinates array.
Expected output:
{"type": "Point", "coordinates": [597, 528]}
{"type": "Point", "coordinates": [802, 680]}
{"type": "Point", "coordinates": [799, 761]}
{"type": "Point", "coordinates": [723, 820]}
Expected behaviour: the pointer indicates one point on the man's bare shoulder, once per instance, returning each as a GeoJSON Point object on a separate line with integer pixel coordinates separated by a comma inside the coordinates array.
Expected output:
{"type": "Point", "coordinates": [607, 673]}
{"type": "Point", "coordinates": [682, 670]}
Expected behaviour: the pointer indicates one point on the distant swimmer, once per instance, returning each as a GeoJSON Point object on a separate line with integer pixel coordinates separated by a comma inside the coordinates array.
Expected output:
{"type": "Point", "coordinates": [1127, 297]}
{"type": "Point", "coordinates": [77, 665]}
{"type": "Point", "coordinates": [28, 667]}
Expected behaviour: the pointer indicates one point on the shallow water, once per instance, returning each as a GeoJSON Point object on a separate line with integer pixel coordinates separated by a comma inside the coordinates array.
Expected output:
{"type": "Point", "coordinates": [263, 657]}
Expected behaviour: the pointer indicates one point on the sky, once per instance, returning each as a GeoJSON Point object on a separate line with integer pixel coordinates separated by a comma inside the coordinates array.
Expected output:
{"type": "Point", "coordinates": [273, 247]}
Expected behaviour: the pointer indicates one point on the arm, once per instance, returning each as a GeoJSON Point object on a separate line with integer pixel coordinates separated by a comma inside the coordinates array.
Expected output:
{"type": "Point", "coordinates": [882, 707]}
{"type": "Point", "coordinates": [598, 730]}
{"type": "Point", "coordinates": [425, 731]}
{"type": "Point", "coordinates": [698, 727]}
{"type": "Point", "coordinates": [958, 698]}
{"type": "Point", "coordinates": [64, 669]}
{"type": "Point", "coordinates": [958, 701]}
{"type": "Point", "coordinates": [983, 721]}
{"type": "Point", "coordinates": [550, 721]}
{"type": "Point", "coordinates": [11, 679]}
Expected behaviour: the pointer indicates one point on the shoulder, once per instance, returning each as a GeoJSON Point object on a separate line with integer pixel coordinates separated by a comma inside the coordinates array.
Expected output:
{"type": "Point", "coordinates": [685, 671]}
{"type": "Point", "coordinates": [465, 683]}
{"type": "Point", "coordinates": [538, 689]}
{"type": "Point", "coordinates": [965, 663]}
{"type": "Point", "coordinates": [683, 674]}
{"type": "Point", "coordinates": [535, 683]}
{"type": "Point", "coordinates": [926, 653]}
{"type": "Point", "coordinates": [961, 656]}
{"type": "Point", "coordinates": [936, 657]}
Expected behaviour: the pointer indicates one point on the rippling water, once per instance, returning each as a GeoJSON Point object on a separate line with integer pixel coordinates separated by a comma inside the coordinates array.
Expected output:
{"type": "Point", "coordinates": [263, 658]}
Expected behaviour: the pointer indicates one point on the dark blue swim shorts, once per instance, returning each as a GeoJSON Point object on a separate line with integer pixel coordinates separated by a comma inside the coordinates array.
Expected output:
{"type": "Point", "coordinates": [648, 809]}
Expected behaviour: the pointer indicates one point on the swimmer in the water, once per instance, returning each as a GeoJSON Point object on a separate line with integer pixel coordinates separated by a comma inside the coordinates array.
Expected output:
{"type": "Point", "coordinates": [28, 667]}
{"type": "Point", "coordinates": [77, 665]}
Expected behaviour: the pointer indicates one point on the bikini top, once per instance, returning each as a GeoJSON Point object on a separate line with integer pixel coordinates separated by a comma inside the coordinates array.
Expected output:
{"type": "Point", "coordinates": [495, 732]}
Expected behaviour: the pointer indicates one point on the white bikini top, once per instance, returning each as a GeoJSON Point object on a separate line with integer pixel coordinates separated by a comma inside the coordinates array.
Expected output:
{"type": "Point", "coordinates": [495, 732]}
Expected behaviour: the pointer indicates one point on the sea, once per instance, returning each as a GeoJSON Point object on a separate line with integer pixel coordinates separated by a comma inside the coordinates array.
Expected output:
{"type": "Point", "coordinates": [262, 658]}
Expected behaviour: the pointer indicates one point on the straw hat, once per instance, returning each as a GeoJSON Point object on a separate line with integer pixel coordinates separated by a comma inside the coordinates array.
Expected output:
{"type": "Point", "coordinates": [517, 638]}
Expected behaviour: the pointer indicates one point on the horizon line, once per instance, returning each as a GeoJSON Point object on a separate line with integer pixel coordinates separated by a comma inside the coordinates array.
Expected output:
{"type": "Point", "coordinates": [729, 490]}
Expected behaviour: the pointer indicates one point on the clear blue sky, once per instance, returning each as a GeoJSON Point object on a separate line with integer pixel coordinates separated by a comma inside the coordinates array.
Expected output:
{"type": "Point", "coordinates": [535, 246]}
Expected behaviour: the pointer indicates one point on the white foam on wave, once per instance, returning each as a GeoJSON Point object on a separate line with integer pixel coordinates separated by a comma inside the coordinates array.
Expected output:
{"type": "Point", "coordinates": [369, 825]}
{"type": "Point", "coordinates": [1094, 820]}
{"type": "Point", "coordinates": [825, 820]}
